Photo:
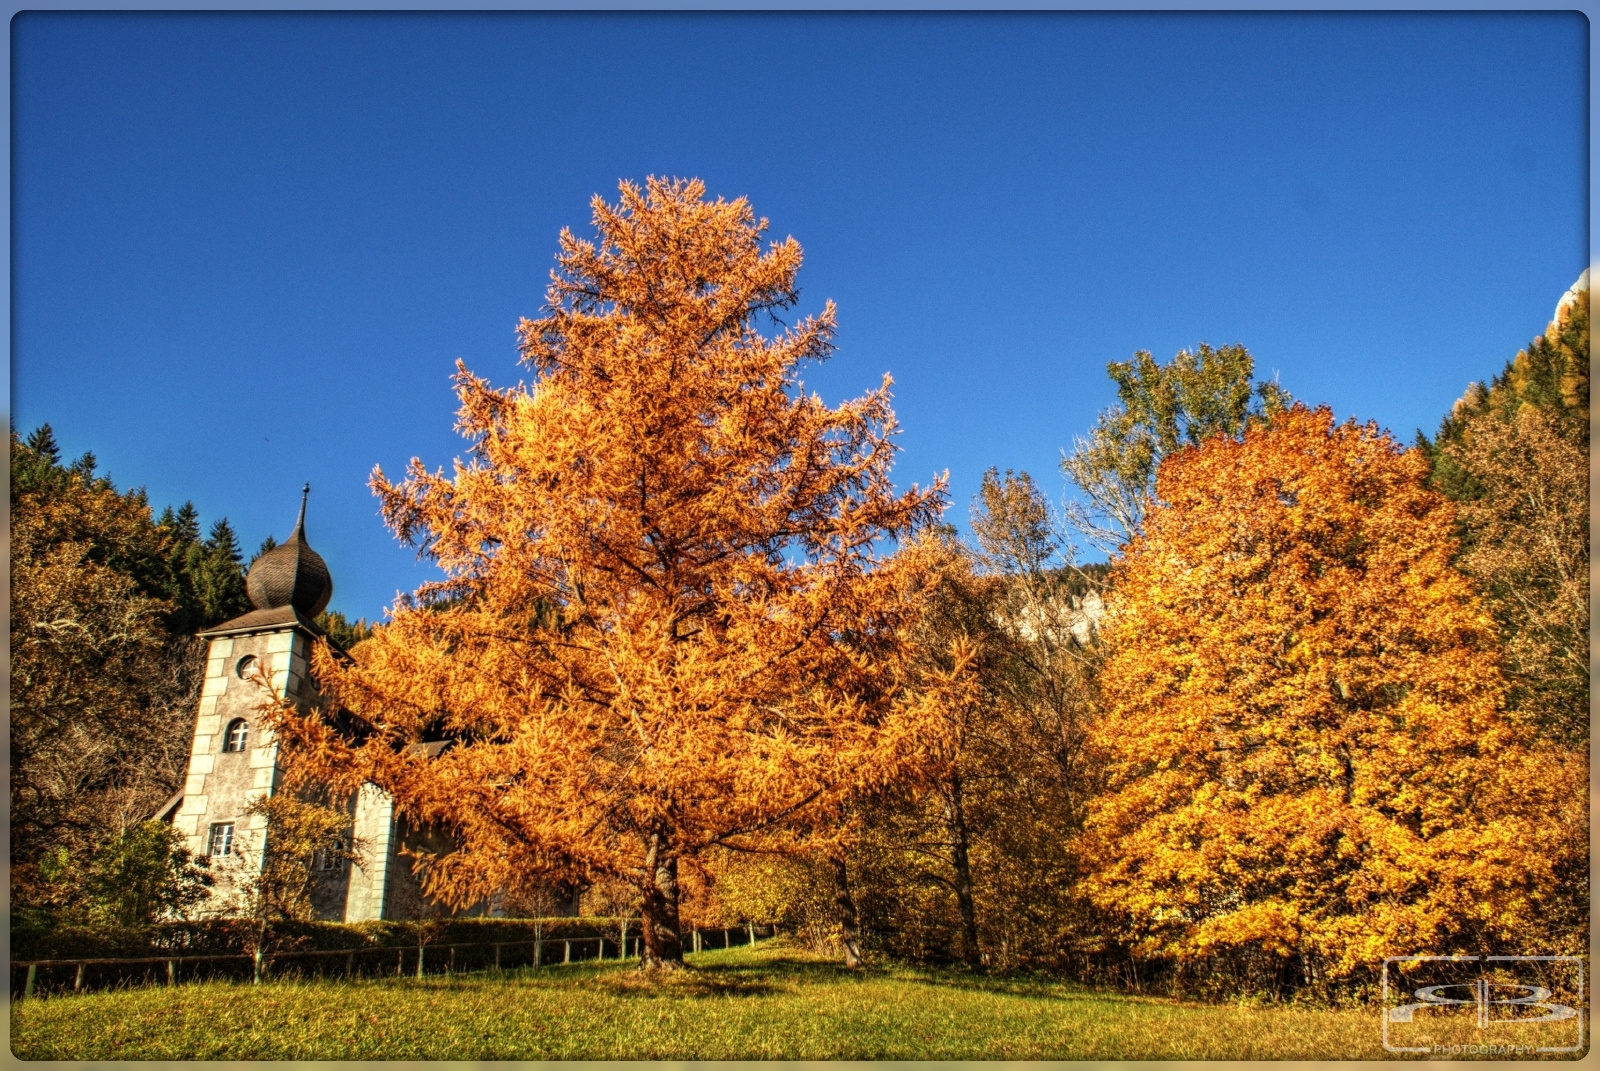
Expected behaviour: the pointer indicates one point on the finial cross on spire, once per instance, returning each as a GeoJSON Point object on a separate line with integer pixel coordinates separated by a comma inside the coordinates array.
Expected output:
{"type": "Point", "coordinates": [300, 523]}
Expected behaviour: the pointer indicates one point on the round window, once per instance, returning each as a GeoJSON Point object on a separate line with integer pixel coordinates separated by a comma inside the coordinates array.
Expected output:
{"type": "Point", "coordinates": [245, 666]}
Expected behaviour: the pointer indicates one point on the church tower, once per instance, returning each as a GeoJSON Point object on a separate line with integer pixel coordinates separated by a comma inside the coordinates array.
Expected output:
{"type": "Point", "coordinates": [233, 759]}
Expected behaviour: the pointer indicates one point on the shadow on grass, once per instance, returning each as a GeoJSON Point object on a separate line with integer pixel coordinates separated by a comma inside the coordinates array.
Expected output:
{"type": "Point", "coordinates": [689, 983]}
{"type": "Point", "coordinates": [1038, 989]}
{"type": "Point", "coordinates": [772, 972]}
{"type": "Point", "coordinates": [1047, 989]}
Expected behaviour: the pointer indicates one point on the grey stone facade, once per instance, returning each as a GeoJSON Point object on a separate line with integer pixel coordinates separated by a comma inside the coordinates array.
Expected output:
{"type": "Point", "coordinates": [224, 780]}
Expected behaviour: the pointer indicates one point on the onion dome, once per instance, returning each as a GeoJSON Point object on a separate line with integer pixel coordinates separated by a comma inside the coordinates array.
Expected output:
{"type": "Point", "coordinates": [291, 574]}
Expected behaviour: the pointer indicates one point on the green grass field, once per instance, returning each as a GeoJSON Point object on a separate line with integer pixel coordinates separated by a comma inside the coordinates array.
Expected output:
{"type": "Point", "coordinates": [770, 1002]}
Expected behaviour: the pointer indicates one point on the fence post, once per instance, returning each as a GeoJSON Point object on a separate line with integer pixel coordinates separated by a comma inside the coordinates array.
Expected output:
{"type": "Point", "coordinates": [497, 957]}
{"type": "Point", "coordinates": [399, 963]}
{"type": "Point", "coordinates": [350, 965]}
{"type": "Point", "coordinates": [172, 974]}
{"type": "Point", "coordinates": [77, 982]}
{"type": "Point", "coordinates": [538, 944]}
{"type": "Point", "coordinates": [27, 989]}
{"type": "Point", "coordinates": [566, 951]}
{"type": "Point", "coordinates": [752, 933]}
{"type": "Point", "coordinates": [419, 960]}
{"type": "Point", "coordinates": [450, 968]}
{"type": "Point", "coordinates": [256, 980]}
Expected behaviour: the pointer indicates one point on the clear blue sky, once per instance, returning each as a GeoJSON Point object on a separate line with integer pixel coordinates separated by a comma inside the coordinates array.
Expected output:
{"type": "Point", "coordinates": [247, 249]}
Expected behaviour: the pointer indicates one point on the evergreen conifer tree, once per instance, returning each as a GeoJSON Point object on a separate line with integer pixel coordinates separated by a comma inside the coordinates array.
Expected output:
{"type": "Point", "coordinates": [220, 579]}
{"type": "Point", "coordinates": [341, 630]}
{"type": "Point", "coordinates": [42, 441]}
{"type": "Point", "coordinates": [36, 468]}
{"type": "Point", "coordinates": [187, 526]}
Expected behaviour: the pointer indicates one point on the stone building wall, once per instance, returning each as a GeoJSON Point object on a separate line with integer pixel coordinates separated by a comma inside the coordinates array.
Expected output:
{"type": "Point", "coordinates": [373, 828]}
{"type": "Point", "coordinates": [380, 883]}
{"type": "Point", "coordinates": [222, 784]}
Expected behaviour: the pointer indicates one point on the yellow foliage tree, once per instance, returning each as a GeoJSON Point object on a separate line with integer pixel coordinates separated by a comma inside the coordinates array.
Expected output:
{"type": "Point", "coordinates": [670, 618]}
{"type": "Point", "coordinates": [1308, 757]}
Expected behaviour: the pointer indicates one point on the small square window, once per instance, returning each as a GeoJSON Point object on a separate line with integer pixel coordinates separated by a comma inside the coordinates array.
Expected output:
{"type": "Point", "coordinates": [221, 839]}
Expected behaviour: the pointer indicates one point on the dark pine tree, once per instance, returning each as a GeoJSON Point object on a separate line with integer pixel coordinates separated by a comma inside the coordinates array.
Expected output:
{"type": "Point", "coordinates": [184, 556]}
{"type": "Point", "coordinates": [220, 580]}
{"type": "Point", "coordinates": [42, 441]}
{"type": "Point", "coordinates": [341, 630]}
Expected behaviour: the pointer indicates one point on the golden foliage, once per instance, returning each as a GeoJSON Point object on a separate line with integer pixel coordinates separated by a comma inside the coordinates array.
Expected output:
{"type": "Point", "coordinates": [974, 861]}
{"type": "Point", "coordinates": [794, 891]}
{"type": "Point", "coordinates": [1304, 732]}
{"type": "Point", "coordinates": [668, 620]}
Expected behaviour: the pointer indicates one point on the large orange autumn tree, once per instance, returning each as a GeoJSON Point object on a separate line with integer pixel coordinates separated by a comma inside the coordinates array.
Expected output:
{"type": "Point", "coordinates": [671, 617]}
{"type": "Point", "coordinates": [1308, 753]}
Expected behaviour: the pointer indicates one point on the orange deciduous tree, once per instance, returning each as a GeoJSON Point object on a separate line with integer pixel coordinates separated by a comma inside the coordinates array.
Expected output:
{"type": "Point", "coordinates": [1308, 754]}
{"type": "Point", "coordinates": [670, 618]}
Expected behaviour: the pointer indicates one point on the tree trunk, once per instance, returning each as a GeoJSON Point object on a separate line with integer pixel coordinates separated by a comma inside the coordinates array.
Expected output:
{"type": "Point", "coordinates": [663, 946]}
{"type": "Point", "coordinates": [847, 911]}
{"type": "Point", "coordinates": [956, 823]}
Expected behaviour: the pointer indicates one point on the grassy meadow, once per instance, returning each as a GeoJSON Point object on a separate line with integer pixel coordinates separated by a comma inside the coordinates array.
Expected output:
{"type": "Point", "coordinates": [774, 1001]}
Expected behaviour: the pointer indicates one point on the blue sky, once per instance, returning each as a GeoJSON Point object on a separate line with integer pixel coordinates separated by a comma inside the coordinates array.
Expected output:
{"type": "Point", "coordinates": [247, 249]}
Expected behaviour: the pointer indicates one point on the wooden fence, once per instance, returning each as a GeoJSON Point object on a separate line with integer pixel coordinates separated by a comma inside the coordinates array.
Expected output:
{"type": "Point", "coordinates": [371, 960]}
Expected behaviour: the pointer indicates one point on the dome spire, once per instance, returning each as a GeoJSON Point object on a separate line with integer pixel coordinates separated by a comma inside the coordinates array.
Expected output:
{"type": "Point", "coordinates": [291, 574]}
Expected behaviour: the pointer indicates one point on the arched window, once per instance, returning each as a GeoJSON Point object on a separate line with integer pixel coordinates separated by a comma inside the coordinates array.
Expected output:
{"type": "Point", "coordinates": [238, 733]}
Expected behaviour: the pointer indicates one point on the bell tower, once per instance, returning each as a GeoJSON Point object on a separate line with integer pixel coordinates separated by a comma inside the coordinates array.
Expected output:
{"type": "Point", "coordinates": [233, 758]}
